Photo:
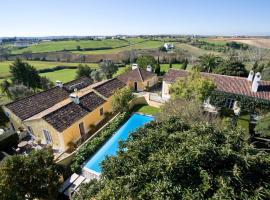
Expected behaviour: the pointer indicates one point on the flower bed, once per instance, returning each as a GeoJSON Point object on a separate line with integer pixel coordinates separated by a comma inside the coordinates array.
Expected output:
{"type": "Point", "coordinates": [86, 151]}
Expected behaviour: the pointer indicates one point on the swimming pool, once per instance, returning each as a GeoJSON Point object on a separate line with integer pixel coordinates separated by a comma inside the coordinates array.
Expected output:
{"type": "Point", "coordinates": [111, 146]}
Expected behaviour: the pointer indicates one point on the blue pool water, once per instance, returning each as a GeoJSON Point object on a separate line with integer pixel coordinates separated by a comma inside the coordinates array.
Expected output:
{"type": "Point", "coordinates": [111, 146]}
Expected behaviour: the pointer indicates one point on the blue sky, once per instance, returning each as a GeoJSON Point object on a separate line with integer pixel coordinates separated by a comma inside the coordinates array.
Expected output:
{"type": "Point", "coordinates": [109, 17]}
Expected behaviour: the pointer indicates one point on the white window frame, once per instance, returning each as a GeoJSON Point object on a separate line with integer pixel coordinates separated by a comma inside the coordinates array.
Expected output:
{"type": "Point", "coordinates": [229, 103]}
{"type": "Point", "coordinates": [48, 137]}
{"type": "Point", "coordinates": [30, 130]}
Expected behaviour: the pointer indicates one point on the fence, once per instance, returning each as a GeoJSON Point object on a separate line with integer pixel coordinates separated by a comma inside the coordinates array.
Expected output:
{"type": "Point", "coordinates": [155, 97]}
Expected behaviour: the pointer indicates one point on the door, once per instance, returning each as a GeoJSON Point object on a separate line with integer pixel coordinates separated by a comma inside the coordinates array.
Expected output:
{"type": "Point", "coordinates": [135, 86]}
{"type": "Point", "coordinates": [82, 131]}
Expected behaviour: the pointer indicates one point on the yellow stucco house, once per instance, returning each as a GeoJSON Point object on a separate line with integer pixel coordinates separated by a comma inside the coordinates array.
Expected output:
{"type": "Point", "coordinates": [64, 113]}
{"type": "Point", "coordinates": [139, 79]}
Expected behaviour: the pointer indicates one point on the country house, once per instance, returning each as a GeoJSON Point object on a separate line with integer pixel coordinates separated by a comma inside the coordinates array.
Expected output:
{"type": "Point", "coordinates": [230, 89]}
{"type": "Point", "coordinates": [139, 79]}
{"type": "Point", "coordinates": [65, 113]}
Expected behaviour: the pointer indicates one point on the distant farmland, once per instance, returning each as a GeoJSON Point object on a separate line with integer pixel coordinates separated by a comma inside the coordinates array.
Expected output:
{"type": "Point", "coordinates": [257, 42]}
{"type": "Point", "coordinates": [72, 45]}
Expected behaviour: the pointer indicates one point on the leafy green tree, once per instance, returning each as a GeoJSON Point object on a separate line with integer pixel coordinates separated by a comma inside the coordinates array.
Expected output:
{"type": "Point", "coordinates": [175, 160]}
{"type": "Point", "coordinates": [190, 111]}
{"type": "Point", "coordinates": [5, 52]}
{"type": "Point", "coordinates": [208, 62]}
{"type": "Point", "coordinates": [194, 87]}
{"type": "Point", "coordinates": [108, 68]}
{"type": "Point", "coordinates": [97, 75]}
{"type": "Point", "coordinates": [266, 74]}
{"type": "Point", "coordinates": [121, 98]}
{"type": "Point", "coordinates": [185, 64]}
{"type": "Point", "coordinates": [45, 83]}
{"type": "Point", "coordinates": [232, 68]}
{"type": "Point", "coordinates": [23, 73]}
{"type": "Point", "coordinates": [257, 67]}
{"type": "Point", "coordinates": [263, 126]}
{"type": "Point", "coordinates": [4, 87]}
{"type": "Point", "coordinates": [145, 60]}
{"type": "Point", "coordinates": [34, 176]}
{"type": "Point", "coordinates": [83, 70]}
{"type": "Point", "coordinates": [157, 70]}
{"type": "Point", "coordinates": [19, 91]}
{"type": "Point", "coordinates": [3, 118]}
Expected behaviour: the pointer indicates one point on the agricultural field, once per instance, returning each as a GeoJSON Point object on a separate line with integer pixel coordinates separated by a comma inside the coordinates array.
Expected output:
{"type": "Point", "coordinates": [4, 66]}
{"type": "Point", "coordinates": [147, 44]}
{"type": "Point", "coordinates": [53, 46]}
{"type": "Point", "coordinates": [194, 51]}
{"type": "Point", "coordinates": [257, 42]}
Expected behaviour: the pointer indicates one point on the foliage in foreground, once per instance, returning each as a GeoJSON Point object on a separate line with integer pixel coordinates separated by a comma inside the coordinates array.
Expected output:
{"type": "Point", "coordinates": [263, 126]}
{"type": "Point", "coordinates": [121, 98]}
{"type": "Point", "coordinates": [194, 87]}
{"type": "Point", "coordinates": [189, 111]}
{"type": "Point", "coordinates": [173, 160]}
{"type": "Point", "coordinates": [86, 151]}
{"type": "Point", "coordinates": [35, 176]}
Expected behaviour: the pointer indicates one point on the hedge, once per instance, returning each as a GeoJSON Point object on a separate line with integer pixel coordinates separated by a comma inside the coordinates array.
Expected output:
{"type": "Point", "coordinates": [57, 68]}
{"type": "Point", "coordinates": [8, 139]}
{"type": "Point", "coordinates": [88, 149]}
{"type": "Point", "coordinates": [249, 104]}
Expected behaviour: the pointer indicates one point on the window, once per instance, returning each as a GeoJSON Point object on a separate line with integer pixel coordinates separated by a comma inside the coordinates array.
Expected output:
{"type": "Point", "coordinates": [229, 103]}
{"type": "Point", "coordinates": [12, 126]}
{"type": "Point", "coordinates": [7, 114]}
{"type": "Point", "coordinates": [30, 130]}
{"type": "Point", "coordinates": [81, 127]}
{"type": "Point", "coordinates": [101, 112]}
{"type": "Point", "coordinates": [47, 136]}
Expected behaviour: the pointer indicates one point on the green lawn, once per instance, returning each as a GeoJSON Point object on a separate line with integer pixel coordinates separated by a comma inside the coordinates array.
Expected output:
{"type": "Point", "coordinates": [165, 67]}
{"type": "Point", "coordinates": [145, 109]}
{"type": "Point", "coordinates": [4, 66]}
{"type": "Point", "coordinates": [242, 122]}
{"type": "Point", "coordinates": [64, 75]}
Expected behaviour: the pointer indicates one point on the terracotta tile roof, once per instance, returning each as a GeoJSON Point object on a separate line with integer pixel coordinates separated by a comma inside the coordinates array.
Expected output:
{"type": "Point", "coordinates": [29, 106]}
{"type": "Point", "coordinates": [65, 116]}
{"type": "Point", "coordinates": [107, 88]}
{"type": "Point", "coordinates": [230, 84]}
{"type": "Point", "coordinates": [34, 104]}
{"type": "Point", "coordinates": [91, 101]}
{"type": "Point", "coordinates": [78, 84]}
{"type": "Point", "coordinates": [136, 75]}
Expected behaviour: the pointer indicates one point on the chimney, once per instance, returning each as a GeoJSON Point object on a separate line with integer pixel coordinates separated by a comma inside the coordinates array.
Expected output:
{"type": "Point", "coordinates": [59, 83]}
{"type": "Point", "coordinates": [149, 68]}
{"type": "Point", "coordinates": [256, 82]}
{"type": "Point", "coordinates": [74, 97]}
{"type": "Point", "coordinates": [134, 66]}
{"type": "Point", "coordinates": [250, 76]}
